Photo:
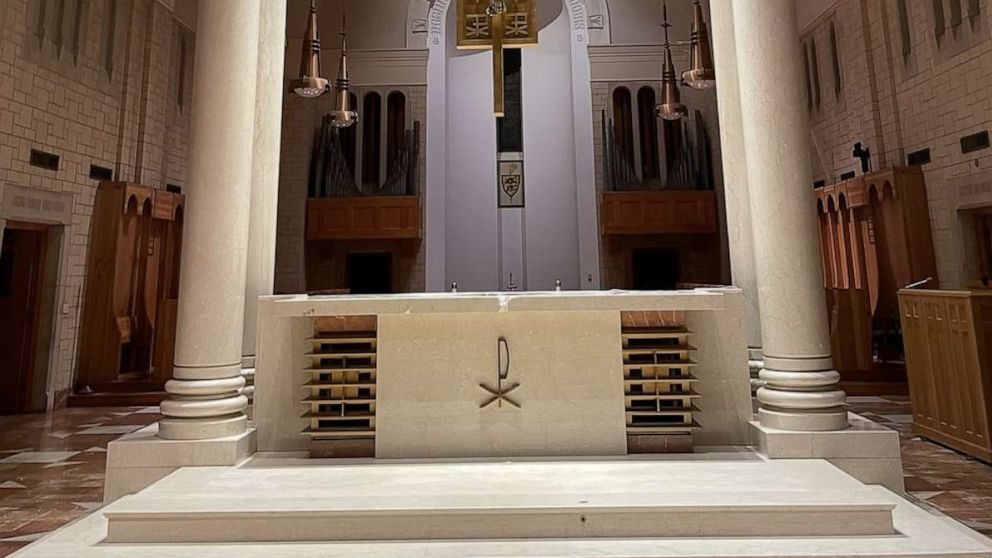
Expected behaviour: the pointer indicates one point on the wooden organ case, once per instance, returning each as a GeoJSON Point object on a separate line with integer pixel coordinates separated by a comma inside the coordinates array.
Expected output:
{"type": "Point", "coordinates": [876, 239]}
{"type": "Point", "coordinates": [129, 313]}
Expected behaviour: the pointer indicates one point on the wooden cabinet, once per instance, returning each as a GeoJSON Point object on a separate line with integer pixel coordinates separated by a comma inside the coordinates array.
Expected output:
{"type": "Point", "coordinates": [948, 340]}
{"type": "Point", "coordinates": [129, 311]}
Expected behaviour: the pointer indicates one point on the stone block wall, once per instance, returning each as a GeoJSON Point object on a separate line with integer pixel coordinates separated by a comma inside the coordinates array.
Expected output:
{"type": "Point", "coordinates": [704, 260]}
{"type": "Point", "coordinates": [901, 93]}
{"type": "Point", "coordinates": [301, 121]}
{"type": "Point", "coordinates": [96, 83]}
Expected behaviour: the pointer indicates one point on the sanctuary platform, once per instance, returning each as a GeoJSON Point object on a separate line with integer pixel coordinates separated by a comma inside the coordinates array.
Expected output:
{"type": "Point", "coordinates": [731, 502]}
{"type": "Point", "coordinates": [542, 424]}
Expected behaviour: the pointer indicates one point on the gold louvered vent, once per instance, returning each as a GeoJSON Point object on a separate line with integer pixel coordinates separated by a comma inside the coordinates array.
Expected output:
{"type": "Point", "coordinates": [342, 390]}
{"type": "Point", "coordinates": [658, 387]}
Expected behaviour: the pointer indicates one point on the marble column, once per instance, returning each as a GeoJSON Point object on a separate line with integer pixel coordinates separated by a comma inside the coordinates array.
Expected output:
{"type": "Point", "coordinates": [204, 395]}
{"type": "Point", "coordinates": [264, 174]}
{"type": "Point", "coordinates": [801, 385]}
{"type": "Point", "coordinates": [735, 177]}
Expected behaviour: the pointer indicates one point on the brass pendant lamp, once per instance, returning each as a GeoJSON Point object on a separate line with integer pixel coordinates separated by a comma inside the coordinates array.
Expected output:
{"type": "Point", "coordinates": [671, 107]}
{"type": "Point", "coordinates": [343, 115]}
{"type": "Point", "coordinates": [700, 74]}
{"type": "Point", "coordinates": [310, 85]}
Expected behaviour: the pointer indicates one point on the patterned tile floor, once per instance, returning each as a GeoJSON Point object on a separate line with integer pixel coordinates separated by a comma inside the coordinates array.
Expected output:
{"type": "Point", "coordinates": [52, 467]}
{"type": "Point", "coordinates": [936, 477]}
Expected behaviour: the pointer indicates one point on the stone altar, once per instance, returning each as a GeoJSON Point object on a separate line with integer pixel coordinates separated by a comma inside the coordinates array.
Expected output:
{"type": "Point", "coordinates": [565, 355]}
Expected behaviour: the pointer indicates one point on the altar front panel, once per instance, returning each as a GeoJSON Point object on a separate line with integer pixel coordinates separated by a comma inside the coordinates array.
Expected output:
{"type": "Point", "coordinates": [565, 366]}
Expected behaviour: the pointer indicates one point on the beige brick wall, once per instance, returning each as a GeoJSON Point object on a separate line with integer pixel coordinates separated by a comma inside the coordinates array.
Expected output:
{"type": "Point", "coordinates": [116, 108]}
{"type": "Point", "coordinates": [899, 104]}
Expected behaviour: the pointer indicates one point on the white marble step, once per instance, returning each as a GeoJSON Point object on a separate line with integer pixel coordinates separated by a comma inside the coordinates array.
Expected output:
{"type": "Point", "coordinates": [671, 515]}
{"type": "Point", "coordinates": [476, 501]}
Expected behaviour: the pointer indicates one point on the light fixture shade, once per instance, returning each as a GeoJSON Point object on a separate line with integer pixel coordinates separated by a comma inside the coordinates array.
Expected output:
{"type": "Point", "coordinates": [700, 74]}
{"type": "Point", "coordinates": [310, 84]}
{"type": "Point", "coordinates": [670, 107]}
{"type": "Point", "coordinates": [344, 114]}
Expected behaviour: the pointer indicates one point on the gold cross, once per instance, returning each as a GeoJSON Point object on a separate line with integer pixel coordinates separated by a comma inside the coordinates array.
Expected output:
{"type": "Point", "coordinates": [497, 24]}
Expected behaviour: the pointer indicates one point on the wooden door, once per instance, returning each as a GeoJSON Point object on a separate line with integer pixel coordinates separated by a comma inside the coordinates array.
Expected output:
{"type": "Point", "coordinates": [21, 272]}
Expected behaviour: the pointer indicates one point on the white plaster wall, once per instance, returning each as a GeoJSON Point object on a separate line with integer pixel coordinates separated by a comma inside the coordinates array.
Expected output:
{"type": "Point", "coordinates": [463, 232]}
{"type": "Point", "coordinates": [551, 215]}
{"type": "Point", "coordinates": [470, 218]}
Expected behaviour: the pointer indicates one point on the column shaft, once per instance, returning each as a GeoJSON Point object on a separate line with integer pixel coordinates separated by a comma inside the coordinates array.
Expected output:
{"type": "Point", "coordinates": [265, 167]}
{"type": "Point", "coordinates": [735, 176]}
{"type": "Point", "coordinates": [204, 400]}
{"type": "Point", "coordinates": [801, 391]}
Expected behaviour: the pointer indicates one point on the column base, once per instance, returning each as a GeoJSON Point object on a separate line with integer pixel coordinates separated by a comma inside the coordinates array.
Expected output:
{"type": "Point", "coordinates": [804, 421]}
{"type": "Point", "coordinates": [138, 460]}
{"type": "Point", "coordinates": [867, 451]}
{"type": "Point", "coordinates": [172, 428]}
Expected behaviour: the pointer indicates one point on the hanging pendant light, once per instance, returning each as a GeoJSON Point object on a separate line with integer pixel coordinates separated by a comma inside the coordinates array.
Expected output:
{"type": "Point", "coordinates": [310, 84]}
{"type": "Point", "coordinates": [344, 114]}
{"type": "Point", "coordinates": [700, 74]}
{"type": "Point", "coordinates": [671, 107]}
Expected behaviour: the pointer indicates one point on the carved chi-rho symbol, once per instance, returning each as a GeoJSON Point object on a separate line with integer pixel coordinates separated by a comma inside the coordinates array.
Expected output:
{"type": "Point", "coordinates": [500, 392]}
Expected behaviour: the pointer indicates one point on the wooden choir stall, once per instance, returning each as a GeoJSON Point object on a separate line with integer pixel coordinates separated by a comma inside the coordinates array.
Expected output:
{"type": "Point", "coordinates": [130, 302]}
{"type": "Point", "coordinates": [875, 235]}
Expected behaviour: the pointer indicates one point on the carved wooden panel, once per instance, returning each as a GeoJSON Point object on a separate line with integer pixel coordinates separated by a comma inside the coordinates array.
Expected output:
{"type": "Point", "coordinates": [947, 336]}
{"type": "Point", "coordinates": [658, 212]}
{"type": "Point", "coordinates": [363, 218]}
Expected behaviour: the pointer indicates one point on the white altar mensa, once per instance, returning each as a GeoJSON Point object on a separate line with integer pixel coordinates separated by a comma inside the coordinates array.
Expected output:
{"type": "Point", "coordinates": [507, 374]}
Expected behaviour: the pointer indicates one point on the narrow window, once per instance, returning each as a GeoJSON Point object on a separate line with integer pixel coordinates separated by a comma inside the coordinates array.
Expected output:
{"type": "Point", "coordinates": [59, 27]}
{"type": "Point", "coordinates": [623, 127]}
{"type": "Point", "coordinates": [181, 77]}
{"type": "Point", "coordinates": [39, 22]}
{"type": "Point", "coordinates": [939, 25]}
{"type": "Point", "coordinates": [371, 138]}
{"type": "Point", "coordinates": [510, 128]}
{"type": "Point", "coordinates": [809, 82]}
{"type": "Point", "coordinates": [109, 37]}
{"type": "Point", "coordinates": [395, 127]}
{"type": "Point", "coordinates": [974, 8]}
{"type": "Point", "coordinates": [907, 44]}
{"type": "Point", "coordinates": [815, 64]}
{"type": "Point", "coordinates": [956, 13]}
{"type": "Point", "coordinates": [835, 60]}
{"type": "Point", "coordinates": [77, 30]}
{"type": "Point", "coordinates": [648, 126]}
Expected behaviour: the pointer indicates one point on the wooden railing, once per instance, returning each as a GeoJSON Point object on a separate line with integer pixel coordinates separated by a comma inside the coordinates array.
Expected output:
{"type": "Point", "coordinates": [658, 212]}
{"type": "Point", "coordinates": [363, 218]}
